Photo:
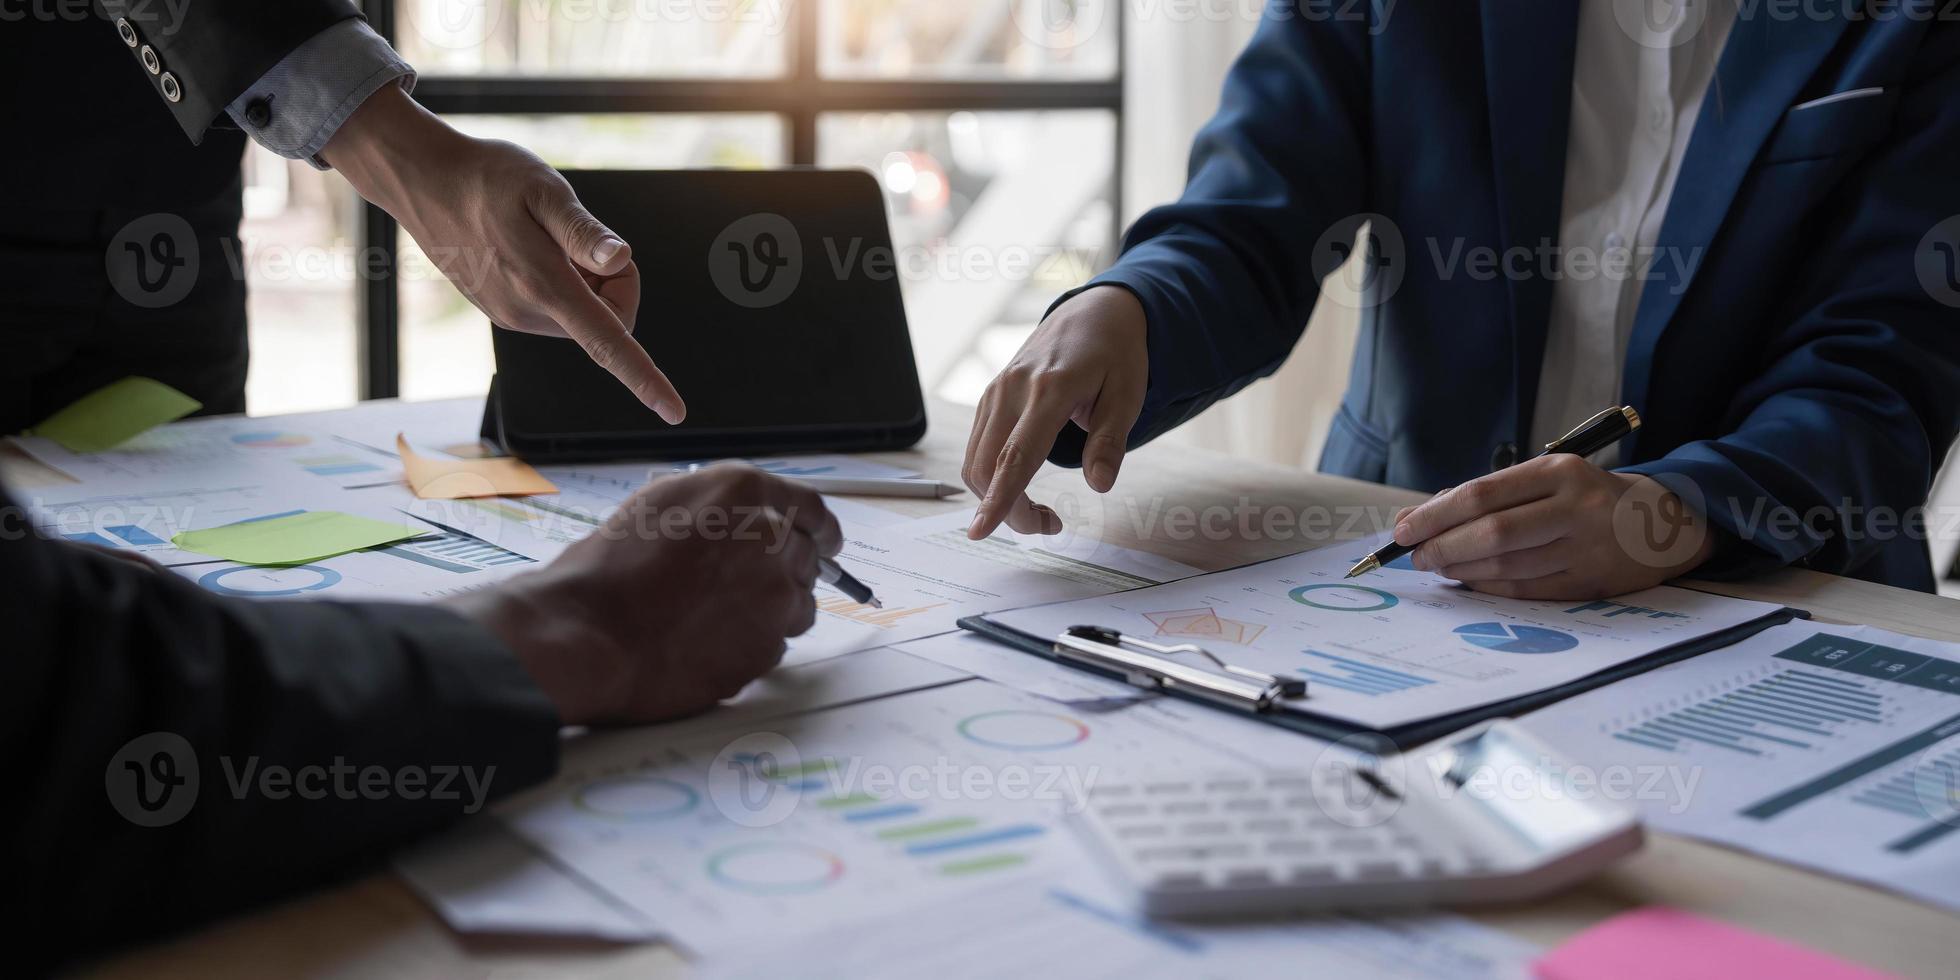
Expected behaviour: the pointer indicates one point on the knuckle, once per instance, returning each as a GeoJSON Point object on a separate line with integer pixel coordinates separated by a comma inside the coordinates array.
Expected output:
{"type": "Point", "coordinates": [1566, 464]}
{"type": "Point", "coordinates": [1502, 528]}
{"type": "Point", "coordinates": [744, 481]}
{"type": "Point", "coordinates": [605, 352]}
{"type": "Point", "coordinates": [1050, 383]}
{"type": "Point", "coordinates": [1103, 439]}
{"type": "Point", "coordinates": [1012, 455]}
{"type": "Point", "coordinates": [581, 228]}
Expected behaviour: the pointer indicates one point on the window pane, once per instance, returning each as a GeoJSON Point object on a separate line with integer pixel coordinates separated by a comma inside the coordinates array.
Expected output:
{"type": "Point", "coordinates": [691, 38]}
{"type": "Point", "coordinates": [302, 259]}
{"type": "Point", "coordinates": [993, 215]}
{"type": "Point", "coordinates": [1046, 39]}
{"type": "Point", "coordinates": [445, 342]}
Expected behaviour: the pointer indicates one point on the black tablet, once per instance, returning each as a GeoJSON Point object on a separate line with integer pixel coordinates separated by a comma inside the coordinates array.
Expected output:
{"type": "Point", "coordinates": [771, 298]}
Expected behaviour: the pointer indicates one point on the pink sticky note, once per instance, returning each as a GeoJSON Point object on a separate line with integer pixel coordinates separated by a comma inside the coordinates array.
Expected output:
{"type": "Point", "coordinates": [1664, 942]}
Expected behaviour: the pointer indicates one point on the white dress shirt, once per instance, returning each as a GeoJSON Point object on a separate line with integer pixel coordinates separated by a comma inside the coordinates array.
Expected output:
{"type": "Point", "coordinates": [295, 109]}
{"type": "Point", "coordinates": [1643, 68]}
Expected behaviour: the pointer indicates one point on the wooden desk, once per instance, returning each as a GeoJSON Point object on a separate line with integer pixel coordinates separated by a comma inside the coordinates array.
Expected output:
{"type": "Point", "coordinates": [1213, 512]}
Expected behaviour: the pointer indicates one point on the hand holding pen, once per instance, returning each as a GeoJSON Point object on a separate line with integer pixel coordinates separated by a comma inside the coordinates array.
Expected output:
{"type": "Point", "coordinates": [1546, 528]}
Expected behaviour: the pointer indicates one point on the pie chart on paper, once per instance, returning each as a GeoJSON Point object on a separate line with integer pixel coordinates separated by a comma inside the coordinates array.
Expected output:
{"type": "Point", "coordinates": [1517, 638]}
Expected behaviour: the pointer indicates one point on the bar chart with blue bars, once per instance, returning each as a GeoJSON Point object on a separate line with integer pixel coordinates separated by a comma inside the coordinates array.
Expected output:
{"type": "Point", "coordinates": [1358, 677]}
{"type": "Point", "coordinates": [455, 551]}
{"type": "Point", "coordinates": [954, 846]}
{"type": "Point", "coordinates": [1787, 709]}
{"type": "Point", "coordinates": [119, 536]}
{"type": "Point", "coordinates": [1929, 791]}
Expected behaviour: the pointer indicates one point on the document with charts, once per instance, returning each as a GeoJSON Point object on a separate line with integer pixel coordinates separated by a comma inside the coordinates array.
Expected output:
{"type": "Point", "coordinates": [1398, 645]}
{"type": "Point", "coordinates": [1080, 928]}
{"type": "Point", "coordinates": [821, 819]}
{"type": "Point", "coordinates": [1836, 747]}
{"type": "Point", "coordinates": [142, 516]}
{"type": "Point", "coordinates": [346, 448]}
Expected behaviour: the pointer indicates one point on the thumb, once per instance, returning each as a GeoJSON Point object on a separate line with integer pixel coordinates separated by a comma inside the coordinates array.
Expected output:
{"type": "Point", "coordinates": [586, 240]}
{"type": "Point", "coordinates": [1116, 411]}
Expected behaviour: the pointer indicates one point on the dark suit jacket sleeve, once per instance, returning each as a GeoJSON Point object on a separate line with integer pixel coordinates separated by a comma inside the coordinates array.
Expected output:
{"type": "Point", "coordinates": [100, 651]}
{"type": "Point", "coordinates": [216, 49]}
{"type": "Point", "coordinates": [1830, 450]}
{"type": "Point", "coordinates": [1229, 273]}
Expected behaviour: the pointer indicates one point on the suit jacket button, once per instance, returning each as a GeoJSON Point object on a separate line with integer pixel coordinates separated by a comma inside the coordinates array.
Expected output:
{"type": "Point", "coordinates": [171, 90]}
{"type": "Point", "coordinates": [150, 59]}
{"type": "Point", "coordinates": [1504, 455]}
{"type": "Point", "coordinates": [258, 112]}
{"type": "Point", "coordinates": [127, 30]}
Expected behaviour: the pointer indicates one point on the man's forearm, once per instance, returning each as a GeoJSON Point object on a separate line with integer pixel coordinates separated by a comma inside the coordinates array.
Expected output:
{"type": "Point", "coordinates": [249, 749]}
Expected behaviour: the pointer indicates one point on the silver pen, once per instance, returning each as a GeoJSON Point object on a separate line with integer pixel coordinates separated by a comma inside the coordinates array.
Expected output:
{"type": "Point", "coordinates": [858, 486]}
{"type": "Point", "coordinates": [832, 574]}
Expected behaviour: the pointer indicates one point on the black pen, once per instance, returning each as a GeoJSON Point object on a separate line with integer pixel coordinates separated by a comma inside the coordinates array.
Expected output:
{"type": "Point", "coordinates": [1594, 434]}
{"type": "Point", "coordinates": [833, 574]}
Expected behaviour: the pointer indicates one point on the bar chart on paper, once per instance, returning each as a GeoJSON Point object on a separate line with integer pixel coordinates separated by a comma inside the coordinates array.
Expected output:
{"type": "Point", "coordinates": [228, 449]}
{"type": "Point", "coordinates": [1787, 710]}
{"type": "Point", "coordinates": [889, 803]}
{"type": "Point", "coordinates": [1837, 747]}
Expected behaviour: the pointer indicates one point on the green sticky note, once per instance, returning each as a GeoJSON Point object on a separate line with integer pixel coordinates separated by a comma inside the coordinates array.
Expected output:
{"type": "Point", "coordinates": [114, 414]}
{"type": "Point", "coordinates": [294, 539]}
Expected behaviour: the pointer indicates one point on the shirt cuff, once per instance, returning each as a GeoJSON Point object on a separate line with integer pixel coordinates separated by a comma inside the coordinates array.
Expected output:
{"type": "Point", "coordinates": [295, 109]}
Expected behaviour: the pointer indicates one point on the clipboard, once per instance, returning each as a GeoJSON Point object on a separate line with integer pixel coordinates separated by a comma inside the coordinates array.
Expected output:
{"type": "Point", "coordinates": [1108, 653]}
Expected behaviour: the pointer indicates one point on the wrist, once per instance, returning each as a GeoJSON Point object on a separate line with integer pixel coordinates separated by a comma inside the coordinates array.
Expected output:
{"type": "Point", "coordinates": [536, 639]}
{"type": "Point", "coordinates": [385, 145]}
{"type": "Point", "coordinates": [1112, 303]}
{"type": "Point", "coordinates": [1656, 525]}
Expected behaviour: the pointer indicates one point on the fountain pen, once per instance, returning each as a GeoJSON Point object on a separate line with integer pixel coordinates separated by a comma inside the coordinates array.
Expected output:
{"type": "Point", "coordinates": [1594, 434]}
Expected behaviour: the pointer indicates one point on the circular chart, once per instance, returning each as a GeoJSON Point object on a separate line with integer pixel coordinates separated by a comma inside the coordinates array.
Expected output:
{"type": "Point", "coordinates": [265, 582]}
{"type": "Point", "coordinates": [270, 440]}
{"type": "Point", "coordinates": [1517, 638]}
{"type": "Point", "coordinates": [774, 868]}
{"type": "Point", "coordinates": [1343, 598]}
{"type": "Point", "coordinates": [636, 798]}
{"type": "Point", "coordinates": [1025, 731]}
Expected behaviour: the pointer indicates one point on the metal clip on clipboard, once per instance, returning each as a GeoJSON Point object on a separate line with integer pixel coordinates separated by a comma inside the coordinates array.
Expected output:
{"type": "Point", "coordinates": [1148, 665]}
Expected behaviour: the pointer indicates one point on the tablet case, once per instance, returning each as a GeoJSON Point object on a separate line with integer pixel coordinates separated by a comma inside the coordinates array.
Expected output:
{"type": "Point", "coordinates": [814, 356]}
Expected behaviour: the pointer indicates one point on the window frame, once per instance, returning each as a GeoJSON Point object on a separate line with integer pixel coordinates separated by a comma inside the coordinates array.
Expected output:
{"type": "Point", "coordinates": [799, 98]}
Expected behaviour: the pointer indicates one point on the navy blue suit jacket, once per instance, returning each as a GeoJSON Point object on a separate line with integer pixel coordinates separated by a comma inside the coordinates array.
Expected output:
{"type": "Point", "coordinates": [1795, 350]}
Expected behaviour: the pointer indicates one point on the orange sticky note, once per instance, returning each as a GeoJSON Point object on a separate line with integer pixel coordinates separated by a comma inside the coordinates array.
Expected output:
{"type": "Point", "coordinates": [457, 479]}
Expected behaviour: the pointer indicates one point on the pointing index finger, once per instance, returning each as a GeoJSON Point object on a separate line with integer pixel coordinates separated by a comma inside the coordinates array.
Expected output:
{"type": "Point", "coordinates": [1020, 458]}
{"type": "Point", "coordinates": [598, 329]}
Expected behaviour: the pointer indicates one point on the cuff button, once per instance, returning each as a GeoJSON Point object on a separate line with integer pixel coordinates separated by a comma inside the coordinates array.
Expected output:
{"type": "Point", "coordinates": [258, 113]}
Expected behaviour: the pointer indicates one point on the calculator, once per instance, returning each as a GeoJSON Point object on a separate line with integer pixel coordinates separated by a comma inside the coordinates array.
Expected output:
{"type": "Point", "coordinates": [1488, 815]}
